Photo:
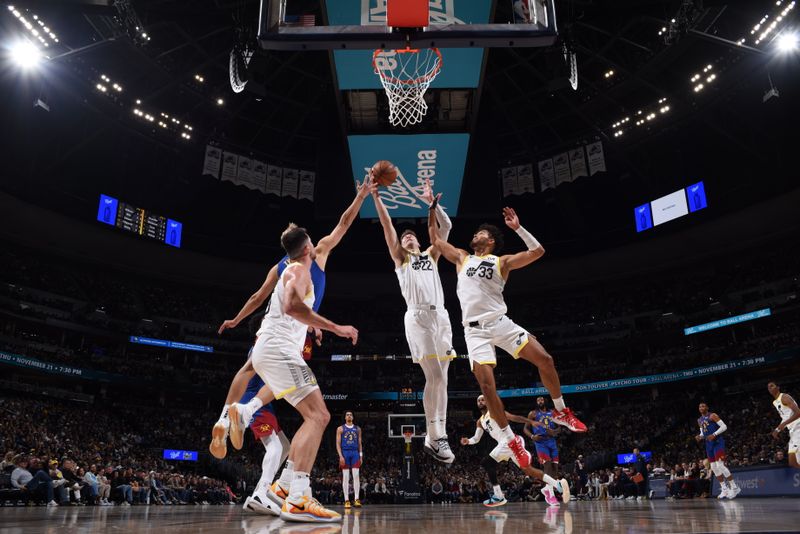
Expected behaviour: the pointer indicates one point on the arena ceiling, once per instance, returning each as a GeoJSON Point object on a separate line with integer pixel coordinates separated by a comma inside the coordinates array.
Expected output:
{"type": "Point", "coordinates": [80, 141]}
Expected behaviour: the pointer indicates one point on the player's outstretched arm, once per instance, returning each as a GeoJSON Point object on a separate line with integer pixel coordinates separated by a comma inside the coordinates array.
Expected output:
{"type": "Point", "coordinates": [389, 232]}
{"type": "Point", "coordinates": [444, 222]}
{"type": "Point", "coordinates": [522, 420]}
{"type": "Point", "coordinates": [255, 301]}
{"type": "Point", "coordinates": [535, 250]}
{"type": "Point", "coordinates": [787, 400]}
{"type": "Point", "coordinates": [454, 255]}
{"type": "Point", "coordinates": [330, 241]}
{"type": "Point", "coordinates": [476, 438]}
{"type": "Point", "coordinates": [527, 430]}
{"type": "Point", "coordinates": [297, 284]}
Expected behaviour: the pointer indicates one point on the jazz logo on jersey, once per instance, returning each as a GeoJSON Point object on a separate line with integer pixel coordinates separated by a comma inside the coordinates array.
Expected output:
{"type": "Point", "coordinates": [484, 270]}
{"type": "Point", "coordinates": [422, 263]}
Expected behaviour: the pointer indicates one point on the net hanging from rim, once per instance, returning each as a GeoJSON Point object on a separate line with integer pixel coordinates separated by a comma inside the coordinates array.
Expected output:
{"type": "Point", "coordinates": [405, 75]}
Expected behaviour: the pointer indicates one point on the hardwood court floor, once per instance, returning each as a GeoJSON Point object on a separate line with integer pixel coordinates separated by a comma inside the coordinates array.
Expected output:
{"type": "Point", "coordinates": [741, 515]}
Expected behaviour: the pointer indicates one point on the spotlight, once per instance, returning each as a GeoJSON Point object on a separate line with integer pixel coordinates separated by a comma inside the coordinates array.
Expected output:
{"type": "Point", "coordinates": [220, 102]}
{"type": "Point", "coordinates": [787, 42]}
{"type": "Point", "coordinates": [25, 54]}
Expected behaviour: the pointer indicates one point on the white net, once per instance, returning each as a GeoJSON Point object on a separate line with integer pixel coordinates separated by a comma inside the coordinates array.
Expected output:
{"type": "Point", "coordinates": [406, 76]}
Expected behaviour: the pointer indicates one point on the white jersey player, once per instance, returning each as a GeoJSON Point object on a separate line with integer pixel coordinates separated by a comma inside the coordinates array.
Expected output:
{"type": "Point", "coordinates": [277, 358]}
{"type": "Point", "coordinates": [482, 277]}
{"type": "Point", "coordinates": [790, 419]}
{"type": "Point", "coordinates": [502, 453]}
{"type": "Point", "coordinates": [427, 323]}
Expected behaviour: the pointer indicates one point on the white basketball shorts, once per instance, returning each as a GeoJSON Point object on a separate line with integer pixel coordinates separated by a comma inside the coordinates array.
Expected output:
{"type": "Point", "coordinates": [429, 334]}
{"type": "Point", "coordinates": [483, 338]}
{"type": "Point", "coordinates": [284, 371]}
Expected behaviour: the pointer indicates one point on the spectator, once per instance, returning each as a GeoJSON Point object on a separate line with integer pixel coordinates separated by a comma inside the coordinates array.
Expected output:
{"type": "Point", "coordinates": [32, 484]}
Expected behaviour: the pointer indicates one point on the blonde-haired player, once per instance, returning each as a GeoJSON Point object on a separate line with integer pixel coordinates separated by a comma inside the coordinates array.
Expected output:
{"type": "Point", "coordinates": [790, 418]}
{"type": "Point", "coordinates": [502, 453]}
{"type": "Point", "coordinates": [277, 358]}
{"type": "Point", "coordinates": [482, 277]}
{"type": "Point", "coordinates": [427, 323]}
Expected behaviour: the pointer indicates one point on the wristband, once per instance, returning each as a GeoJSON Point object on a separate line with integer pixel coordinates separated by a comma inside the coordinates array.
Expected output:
{"type": "Point", "coordinates": [528, 239]}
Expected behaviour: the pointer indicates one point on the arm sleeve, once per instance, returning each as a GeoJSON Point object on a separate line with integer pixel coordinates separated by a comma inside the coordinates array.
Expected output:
{"type": "Point", "coordinates": [722, 427]}
{"type": "Point", "coordinates": [477, 437]}
{"type": "Point", "coordinates": [445, 224]}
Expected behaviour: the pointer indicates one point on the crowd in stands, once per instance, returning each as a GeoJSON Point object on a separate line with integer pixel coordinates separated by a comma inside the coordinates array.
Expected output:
{"type": "Point", "coordinates": [109, 450]}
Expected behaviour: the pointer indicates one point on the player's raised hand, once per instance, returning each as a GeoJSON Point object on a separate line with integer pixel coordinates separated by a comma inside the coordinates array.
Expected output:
{"type": "Point", "coordinates": [427, 191]}
{"type": "Point", "coordinates": [511, 219]}
{"type": "Point", "coordinates": [230, 323]}
{"type": "Point", "coordinates": [367, 187]}
{"type": "Point", "coordinates": [348, 332]}
{"type": "Point", "coordinates": [464, 441]}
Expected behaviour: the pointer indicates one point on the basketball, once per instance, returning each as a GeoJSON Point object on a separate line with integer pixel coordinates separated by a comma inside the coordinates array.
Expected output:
{"type": "Point", "coordinates": [384, 172]}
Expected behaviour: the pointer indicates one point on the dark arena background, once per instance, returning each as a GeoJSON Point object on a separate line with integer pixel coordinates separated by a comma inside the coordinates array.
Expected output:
{"type": "Point", "coordinates": [154, 151]}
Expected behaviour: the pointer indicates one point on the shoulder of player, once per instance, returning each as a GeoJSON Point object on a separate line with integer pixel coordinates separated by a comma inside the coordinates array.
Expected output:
{"type": "Point", "coordinates": [786, 399]}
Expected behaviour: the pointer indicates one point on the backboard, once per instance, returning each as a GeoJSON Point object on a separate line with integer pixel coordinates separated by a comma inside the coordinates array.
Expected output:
{"type": "Point", "coordinates": [533, 25]}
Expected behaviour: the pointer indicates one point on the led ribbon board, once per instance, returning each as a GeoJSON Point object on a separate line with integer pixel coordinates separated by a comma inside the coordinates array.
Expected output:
{"type": "Point", "coordinates": [184, 456]}
{"type": "Point", "coordinates": [758, 314]}
{"type": "Point", "coordinates": [461, 66]}
{"type": "Point", "coordinates": [630, 458]}
{"type": "Point", "coordinates": [438, 157]}
{"type": "Point", "coordinates": [153, 342]}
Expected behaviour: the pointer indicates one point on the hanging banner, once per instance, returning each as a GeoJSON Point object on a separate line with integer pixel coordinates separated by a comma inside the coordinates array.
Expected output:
{"type": "Point", "coordinates": [212, 162]}
{"type": "Point", "coordinates": [561, 164]}
{"type": "Point", "coordinates": [259, 175]}
{"type": "Point", "coordinates": [274, 180]}
{"type": "Point", "coordinates": [577, 162]}
{"type": "Point", "coordinates": [525, 179]}
{"type": "Point", "coordinates": [307, 185]}
{"type": "Point", "coordinates": [509, 177]}
{"type": "Point", "coordinates": [597, 160]}
{"type": "Point", "coordinates": [229, 166]}
{"type": "Point", "coordinates": [289, 188]}
{"type": "Point", "coordinates": [245, 172]}
{"type": "Point", "coordinates": [547, 176]}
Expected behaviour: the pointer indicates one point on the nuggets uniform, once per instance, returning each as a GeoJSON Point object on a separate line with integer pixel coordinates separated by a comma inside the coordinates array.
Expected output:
{"type": "Point", "coordinates": [427, 322]}
{"type": "Point", "coordinates": [794, 429]}
{"type": "Point", "coordinates": [483, 310]}
{"type": "Point", "coordinates": [502, 452]}
{"type": "Point", "coordinates": [715, 450]}
{"type": "Point", "coordinates": [262, 417]}
{"type": "Point", "coordinates": [546, 448]}
{"type": "Point", "coordinates": [349, 444]}
{"type": "Point", "coordinates": [277, 354]}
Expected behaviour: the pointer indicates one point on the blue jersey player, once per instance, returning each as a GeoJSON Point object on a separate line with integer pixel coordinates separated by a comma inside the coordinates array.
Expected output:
{"type": "Point", "coordinates": [244, 387]}
{"type": "Point", "coordinates": [348, 444]}
{"type": "Point", "coordinates": [711, 429]}
{"type": "Point", "coordinates": [543, 435]}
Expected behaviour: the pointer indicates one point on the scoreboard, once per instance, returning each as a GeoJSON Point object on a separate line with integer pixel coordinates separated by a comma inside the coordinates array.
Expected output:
{"type": "Point", "coordinates": [139, 221]}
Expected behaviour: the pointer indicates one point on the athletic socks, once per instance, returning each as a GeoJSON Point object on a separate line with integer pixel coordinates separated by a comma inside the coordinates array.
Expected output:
{"type": "Point", "coordinates": [300, 483]}
{"type": "Point", "coordinates": [507, 433]}
{"type": "Point", "coordinates": [559, 404]}
{"type": "Point", "coordinates": [346, 484]}
{"type": "Point", "coordinates": [223, 417]}
{"type": "Point", "coordinates": [498, 491]}
{"type": "Point", "coordinates": [285, 481]}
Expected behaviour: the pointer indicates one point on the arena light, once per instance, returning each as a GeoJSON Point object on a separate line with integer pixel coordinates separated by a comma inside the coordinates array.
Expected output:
{"type": "Point", "coordinates": [199, 78]}
{"type": "Point", "coordinates": [35, 25]}
{"type": "Point", "coordinates": [220, 102]}
{"type": "Point", "coordinates": [609, 74]}
{"type": "Point", "coordinates": [25, 54]}
{"type": "Point", "coordinates": [641, 117]}
{"type": "Point", "coordinates": [787, 42]}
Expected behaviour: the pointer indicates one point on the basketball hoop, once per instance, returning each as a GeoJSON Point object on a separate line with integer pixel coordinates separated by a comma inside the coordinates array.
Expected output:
{"type": "Point", "coordinates": [406, 75]}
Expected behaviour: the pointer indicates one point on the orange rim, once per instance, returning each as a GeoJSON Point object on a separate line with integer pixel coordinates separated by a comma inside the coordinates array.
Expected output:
{"type": "Point", "coordinates": [430, 76]}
